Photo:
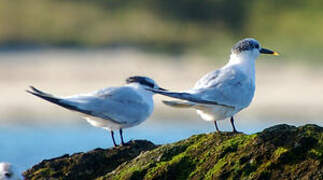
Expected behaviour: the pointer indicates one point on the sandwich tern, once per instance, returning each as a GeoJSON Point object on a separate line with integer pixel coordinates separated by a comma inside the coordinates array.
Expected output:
{"type": "Point", "coordinates": [112, 108]}
{"type": "Point", "coordinates": [7, 171]}
{"type": "Point", "coordinates": [222, 93]}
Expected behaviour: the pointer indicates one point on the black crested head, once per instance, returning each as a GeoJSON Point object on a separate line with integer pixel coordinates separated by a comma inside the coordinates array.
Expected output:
{"type": "Point", "coordinates": [245, 45]}
{"type": "Point", "coordinates": [141, 80]}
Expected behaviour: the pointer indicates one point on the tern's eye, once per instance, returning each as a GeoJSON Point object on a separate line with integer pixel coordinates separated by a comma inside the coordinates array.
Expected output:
{"type": "Point", "coordinates": [257, 46]}
{"type": "Point", "coordinates": [8, 175]}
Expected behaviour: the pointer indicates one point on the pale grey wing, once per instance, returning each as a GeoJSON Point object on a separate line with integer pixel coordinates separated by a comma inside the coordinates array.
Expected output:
{"type": "Point", "coordinates": [227, 86]}
{"type": "Point", "coordinates": [207, 79]}
{"type": "Point", "coordinates": [187, 97]}
{"type": "Point", "coordinates": [192, 95]}
{"type": "Point", "coordinates": [120, 104]}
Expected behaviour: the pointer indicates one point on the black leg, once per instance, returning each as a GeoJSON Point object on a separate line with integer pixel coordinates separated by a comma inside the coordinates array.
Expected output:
{"type": "Point", "coordinates": [114, 142]}
{"type": "Point", "coordinates": [232, 124]}
{"type": "Point", "coordinates": [120, 131]}
{"type": "Point", "coordinates": [216, 127]}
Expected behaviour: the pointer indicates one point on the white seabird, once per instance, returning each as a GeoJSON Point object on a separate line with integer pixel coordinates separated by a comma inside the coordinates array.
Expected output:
{"type": "Point", "coordinates": [222, 93]}
{"type": "Point", "coordinates": [113, 108]}
{"type": "Point", "coordinates": [7, 172]}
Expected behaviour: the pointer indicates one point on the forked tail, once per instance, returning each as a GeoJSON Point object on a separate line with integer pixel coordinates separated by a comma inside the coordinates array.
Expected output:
{"type": "Point", "coordinates": [55, 100]}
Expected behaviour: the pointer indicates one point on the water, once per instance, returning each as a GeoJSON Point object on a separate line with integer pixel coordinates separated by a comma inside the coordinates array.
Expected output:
{"type": "Point", "coordinates": [24, 146]}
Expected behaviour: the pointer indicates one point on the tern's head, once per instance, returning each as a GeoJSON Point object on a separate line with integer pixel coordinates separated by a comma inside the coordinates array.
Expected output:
{"type": "Point", "coordinates": [251, 48]}
{"type": "Point", "coordinates": [6, 171]}
{"type": "Point", "coordinates": [143, 81]}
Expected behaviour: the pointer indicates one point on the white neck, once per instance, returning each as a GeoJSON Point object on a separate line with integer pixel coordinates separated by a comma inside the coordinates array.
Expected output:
{"type": "Point", "coordinates": [146, 95]}
{"type": "Point", "coordinates": [245, 62]}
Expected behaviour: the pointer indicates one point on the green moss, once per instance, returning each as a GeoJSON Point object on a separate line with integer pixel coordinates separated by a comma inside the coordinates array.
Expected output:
{"type": "Point", "coordinates": [216, 169]}
{"type": "Point", "coordinates": [182, 163]}
{"type": "Point", "coordinates": [227, 153]}
{"type": "Point", "coordinates": [44, 172]}
{"type": "Point", "coordinates": [134, 172]}
{"type": "Point", "coordinates": [261, 170]}
{"type": "Point", "coordinates": [279, 151]}
{"type": "Point", "coordinates": [248, 169]}
{"type": "Point", "coordinates": [317, 153]}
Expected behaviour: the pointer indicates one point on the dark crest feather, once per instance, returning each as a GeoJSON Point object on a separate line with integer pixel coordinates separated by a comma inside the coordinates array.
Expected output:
{"type": "Point", "coordinates": [245, 45]}
{"type": "Point", "coordinates": [141, 80]}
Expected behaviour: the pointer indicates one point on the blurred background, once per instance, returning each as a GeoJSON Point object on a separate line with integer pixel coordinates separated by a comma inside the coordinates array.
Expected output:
{"type": "Point", "coordinates": [75, 46]}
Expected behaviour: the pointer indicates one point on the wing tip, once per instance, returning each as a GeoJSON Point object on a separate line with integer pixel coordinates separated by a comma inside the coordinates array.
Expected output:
{"type": "Point", "coordinates": [167, 102]}
{"type": "Point", "coordinates": [28, 91]}
{"type": "Point", "coordinates": [178, 104]}
{"type": "Point", "coordinates": [32, 90]}
{"type": "Point", "coordinates": [36, 91]}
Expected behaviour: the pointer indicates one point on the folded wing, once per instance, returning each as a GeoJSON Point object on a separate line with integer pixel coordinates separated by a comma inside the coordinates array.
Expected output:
{"type": "Point", "coordinates": [188, 97]}
{"type": "Point", "coordinates": [118, 104]}
{"type": "Point", "coordinates": [228, 86]}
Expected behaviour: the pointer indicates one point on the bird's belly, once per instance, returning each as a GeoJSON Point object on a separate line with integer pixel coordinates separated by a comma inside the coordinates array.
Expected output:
{"type": "Point", "coordinates": [113, 125]}
{"type": "Point", "coordinates": [214, 113]}
{"type": "Point", "coordinates": [106, 124]}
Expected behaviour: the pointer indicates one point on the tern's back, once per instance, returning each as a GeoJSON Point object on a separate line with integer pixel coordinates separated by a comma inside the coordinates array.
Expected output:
{"type": "Point", "coordinates": [229, 86]}
{"type": "Point", "coordinates": [121, 104]}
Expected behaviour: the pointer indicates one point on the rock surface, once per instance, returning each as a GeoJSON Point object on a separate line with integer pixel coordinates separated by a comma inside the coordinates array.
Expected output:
{"type": "Point", "coordinates": [279, 152]}
{"type": "Point", "coordinates": [89, 165]}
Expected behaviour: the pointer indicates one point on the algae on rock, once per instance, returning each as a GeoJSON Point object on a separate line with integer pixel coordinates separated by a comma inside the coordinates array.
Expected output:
{"type": "Point", "coordinates": [279, 152]}
{"type": "Point", "coordinates": [88, 165]}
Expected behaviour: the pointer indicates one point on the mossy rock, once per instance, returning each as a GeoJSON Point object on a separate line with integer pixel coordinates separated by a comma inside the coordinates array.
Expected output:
{"type": "Point", "coordinates": [88, 165]}
{"type": "Point", "coordinates": [279, 152]}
